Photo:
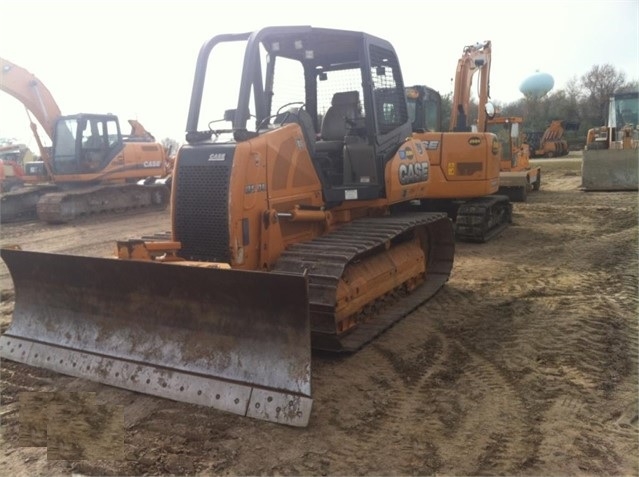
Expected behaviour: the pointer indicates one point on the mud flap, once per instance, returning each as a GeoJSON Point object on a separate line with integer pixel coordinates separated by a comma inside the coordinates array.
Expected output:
{"type": "Point", "coordinates": [238, 341]}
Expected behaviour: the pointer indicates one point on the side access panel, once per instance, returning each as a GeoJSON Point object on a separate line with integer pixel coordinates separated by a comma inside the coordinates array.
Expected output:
{"type": "Point", "coordinates": [610, 170]}
{"type": "Point", "coordinates": [234, 340]}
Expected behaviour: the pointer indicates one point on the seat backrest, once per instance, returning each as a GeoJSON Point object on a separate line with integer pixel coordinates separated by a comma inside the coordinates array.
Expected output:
{"type": "Point", "coordinates": [343, 105]}
{"type": "Point", "coordinates": [303, 118]}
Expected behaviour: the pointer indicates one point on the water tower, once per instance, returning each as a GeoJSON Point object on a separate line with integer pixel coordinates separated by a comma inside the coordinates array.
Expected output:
{"type": "Point", "coordinates": [537, 85]}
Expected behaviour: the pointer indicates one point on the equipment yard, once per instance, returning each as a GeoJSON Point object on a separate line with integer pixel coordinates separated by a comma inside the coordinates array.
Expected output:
{"type": "Point", "coordinates": [524, 363]}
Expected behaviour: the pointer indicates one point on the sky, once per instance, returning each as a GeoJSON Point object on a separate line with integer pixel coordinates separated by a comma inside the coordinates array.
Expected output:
{"type": "Point", "coordinates": [136, 58]}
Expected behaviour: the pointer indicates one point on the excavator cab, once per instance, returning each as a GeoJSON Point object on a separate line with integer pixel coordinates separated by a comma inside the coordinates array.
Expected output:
{"type": "Point", "coordinates": [85, 143]}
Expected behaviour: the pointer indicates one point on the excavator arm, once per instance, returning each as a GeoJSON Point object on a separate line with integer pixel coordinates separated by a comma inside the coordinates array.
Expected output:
{"type": "Point", "coordinates": [475, 58]}
{"type": "Point", "coordinates": [29, 90]}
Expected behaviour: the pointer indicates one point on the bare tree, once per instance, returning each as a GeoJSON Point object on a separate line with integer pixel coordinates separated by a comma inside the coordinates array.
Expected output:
{"type": "Point", "coordinates": [573, 89]}
{"type": "Point", "coordinates": [598, 85]}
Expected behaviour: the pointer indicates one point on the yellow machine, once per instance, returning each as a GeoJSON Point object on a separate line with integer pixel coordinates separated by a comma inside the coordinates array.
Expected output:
{"type": "Point", "coordinates": [12, 159]}
{"type": "Point", "coordinates": [287, 233]}
{"type": "Point", "coordinates": [549, 144]}
{"type": "Point", "coordinates": [517, 176]}
{"type": "Point", "coordinates": [611, 156]}
{"type": "Point", "coordinates": [90, 168]}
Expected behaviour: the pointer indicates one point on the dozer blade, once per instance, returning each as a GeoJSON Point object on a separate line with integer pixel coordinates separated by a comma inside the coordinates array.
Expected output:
{"type": "Point", "coordinates": [237, 341]}
{"type": "Point", "coordinates": [610, 170]}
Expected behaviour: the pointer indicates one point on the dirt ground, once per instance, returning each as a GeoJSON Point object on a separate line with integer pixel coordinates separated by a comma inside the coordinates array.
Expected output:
{"type": "Point", "coordinates": [525, 363]}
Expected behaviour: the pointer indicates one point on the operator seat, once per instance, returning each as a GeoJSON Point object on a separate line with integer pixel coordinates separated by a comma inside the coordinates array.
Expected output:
{"type": "Point", "coordinates": [344, 107]}
{"type": "Point", "coordinates": [303, 118]}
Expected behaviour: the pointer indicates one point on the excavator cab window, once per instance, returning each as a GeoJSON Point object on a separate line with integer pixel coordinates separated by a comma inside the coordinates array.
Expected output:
{"type": "Point", "coordinates": [94, 145]}
{"type": "Point", "coordinates": [93, 137]}
{"type": "Point", "coordinates": [424, 108]}
{"type": "Point", "coordinates": [504, 132]}
{"type": "Point", "coordinates": [85, 144]}
{"type": "Point", "coordinates": [514, 135]}
{"type": "Point", "coordinates": [627, 106]}
{"type": "Point", "coordinates": [64, 146]}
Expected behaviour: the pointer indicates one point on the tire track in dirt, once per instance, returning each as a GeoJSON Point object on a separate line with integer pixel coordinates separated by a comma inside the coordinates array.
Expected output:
{"type": "Point", "coordinates": [588, 354]}
{"type": "Point", "coordinates": [585, 307]}
{"type": "Point", "coordinates": [594, 363]}
{"type": "Point", "coordinates": [442, 391]}
{"type": "Point", "coordinates": [481, 325]}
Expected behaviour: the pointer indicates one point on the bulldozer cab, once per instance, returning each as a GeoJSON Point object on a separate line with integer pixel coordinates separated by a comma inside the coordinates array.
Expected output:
{"type": "Point", "coordinates": [344, 88]}
{"type": "Point", "coordinates": [85, 143]}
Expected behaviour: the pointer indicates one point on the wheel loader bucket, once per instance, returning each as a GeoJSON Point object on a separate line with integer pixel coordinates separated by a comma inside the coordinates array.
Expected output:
{"type": "Point", "coordinates": [237, 341]}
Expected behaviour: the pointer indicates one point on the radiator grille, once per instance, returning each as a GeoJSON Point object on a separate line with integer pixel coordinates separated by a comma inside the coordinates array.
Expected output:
{"type": "Point", "coordinates": [201, 216]}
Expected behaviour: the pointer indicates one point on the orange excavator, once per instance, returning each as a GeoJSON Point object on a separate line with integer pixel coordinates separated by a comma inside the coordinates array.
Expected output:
{"type": "Point", "coordinates": [91, 166]}
{"type": "Point", "coordinates": [465, 161]}
{"type": "Point", "coordinates": [287, 234]}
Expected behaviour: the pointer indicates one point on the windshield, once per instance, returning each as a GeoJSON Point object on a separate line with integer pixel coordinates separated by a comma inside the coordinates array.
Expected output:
{"type": "Point", "coordinates": [627, 111]}
{"type": "Point", "coordinates": [82, 144]}
{"type": "Point", "coordinates": [64, 145]}
{"type": "Point", "coordinates": [424, 110]}
{"type": "Point", "coordinates": [505, 132]}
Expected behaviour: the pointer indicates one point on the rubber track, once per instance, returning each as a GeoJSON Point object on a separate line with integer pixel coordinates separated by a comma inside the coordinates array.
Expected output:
{"type": "Point", "coordinates": [325, 258]}
{"type": "Point", "coordinates": [482, 218]}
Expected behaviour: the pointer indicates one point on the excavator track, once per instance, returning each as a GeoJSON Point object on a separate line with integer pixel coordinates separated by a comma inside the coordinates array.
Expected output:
{"type": "Point", "coordinates": [325, 259]}
{"type": "Point", "coordinates": [482, 218]}
{"type": "Point", "coordinates": [65, 206]}
{"type": "Point", "coordinates": [20, 204]}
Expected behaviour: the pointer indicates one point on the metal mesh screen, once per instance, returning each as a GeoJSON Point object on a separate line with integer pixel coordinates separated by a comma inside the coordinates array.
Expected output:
{"type": "Point", "coordinates": [339, 81]}
{"type": "Point", "coordinates": [288, 84]}
{"type": "Point", "coordinates": [201, 211]}
{"type": "Point", "coordinates": [388, 90]}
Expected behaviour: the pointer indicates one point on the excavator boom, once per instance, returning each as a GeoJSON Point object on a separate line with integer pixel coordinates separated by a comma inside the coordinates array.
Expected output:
{"type": "Point", "coordinates": [34, 95]}
{"type": "Point", "coordinates": [475, 58]}
{"type": "Point", "coordinates": [516, 176]}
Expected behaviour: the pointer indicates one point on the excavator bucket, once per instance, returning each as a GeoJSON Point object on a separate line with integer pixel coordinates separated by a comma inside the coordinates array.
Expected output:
{"type": "Point", "coordinates": [238, 341]}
